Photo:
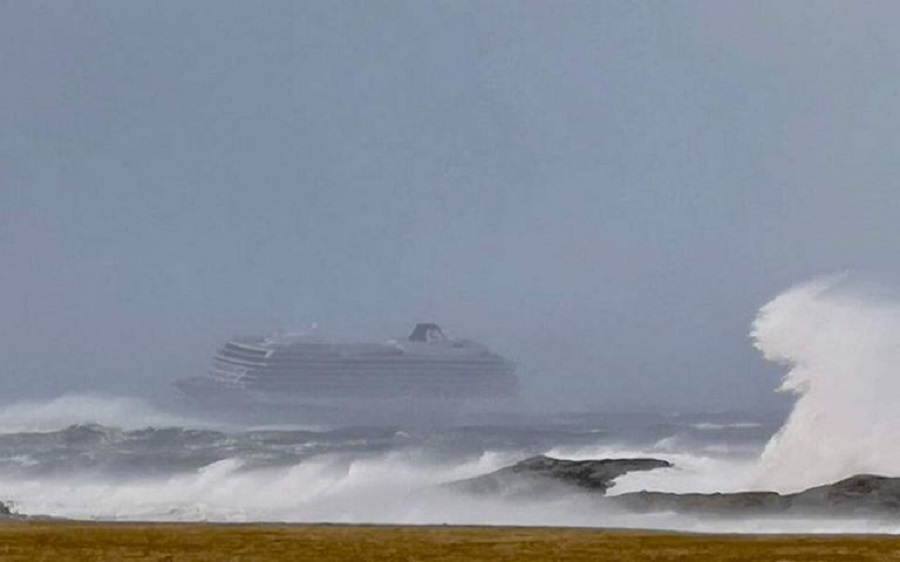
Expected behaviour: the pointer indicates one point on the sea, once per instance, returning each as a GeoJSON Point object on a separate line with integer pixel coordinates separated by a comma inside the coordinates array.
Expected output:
{"type": "Point", "coordinates": [115, 458]}
{"type": "Point", "coordinates": [101, 457]}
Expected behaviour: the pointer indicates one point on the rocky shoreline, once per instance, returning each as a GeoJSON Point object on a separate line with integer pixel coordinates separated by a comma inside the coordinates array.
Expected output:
{"type": "Point", "coordinates": [862, 495]}
{"type": "Point", "coordinates": [542, 477]}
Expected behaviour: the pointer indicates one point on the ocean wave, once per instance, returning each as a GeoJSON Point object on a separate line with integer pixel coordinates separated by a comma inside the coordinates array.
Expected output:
{"type": "Point", "coordinates": [841, 345]}
{"type": "Point", "coordinates": [74, 409]}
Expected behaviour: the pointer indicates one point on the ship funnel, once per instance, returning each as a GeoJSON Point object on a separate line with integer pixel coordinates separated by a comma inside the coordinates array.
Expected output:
{"type": "Point", "coordinates": [427, 332]}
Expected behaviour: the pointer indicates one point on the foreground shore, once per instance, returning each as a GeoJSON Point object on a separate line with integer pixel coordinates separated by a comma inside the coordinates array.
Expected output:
{"type": "Point", "coordinates": [77, 541]}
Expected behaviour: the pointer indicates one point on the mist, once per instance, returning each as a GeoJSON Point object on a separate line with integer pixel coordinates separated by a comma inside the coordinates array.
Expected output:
{"type": "Point", "coordinates": [604, 193]}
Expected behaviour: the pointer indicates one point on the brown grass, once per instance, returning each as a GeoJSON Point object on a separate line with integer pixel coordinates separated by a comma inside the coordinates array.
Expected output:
{"type": "Point", "coordinates": [67, 541]}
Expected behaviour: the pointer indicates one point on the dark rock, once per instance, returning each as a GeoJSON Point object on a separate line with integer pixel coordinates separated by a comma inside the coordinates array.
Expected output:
{"type": "Point", "coordinates": [741, 502]}
{"type": "Point", "coordinates": [8, 512]}
{"type": "Point", "coordinates": [860, 493]}
{"type": "Point", "coordinates": [541, 474]}
{"type": "Point", "coordinates": [863, 494]}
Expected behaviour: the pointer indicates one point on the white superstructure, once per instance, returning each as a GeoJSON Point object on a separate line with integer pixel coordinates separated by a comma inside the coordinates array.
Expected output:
{"type": "Point", "coordinates": [426, 364]}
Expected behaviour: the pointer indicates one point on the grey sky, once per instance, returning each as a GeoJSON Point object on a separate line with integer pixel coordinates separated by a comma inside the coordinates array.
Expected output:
{"type": "Point", "coordinates": [605, 192]}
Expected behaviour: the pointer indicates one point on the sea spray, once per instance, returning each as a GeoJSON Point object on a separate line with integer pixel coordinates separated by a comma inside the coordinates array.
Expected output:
{"type": "Point", "coordinates": [98, 458]}
{"type": "Point", "coordinates": [71, 409]}
{"type": "Point", "coordinates": [841, 345]}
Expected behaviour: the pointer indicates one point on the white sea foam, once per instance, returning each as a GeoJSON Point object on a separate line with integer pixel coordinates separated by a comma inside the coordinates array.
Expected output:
{"type": "Point", "coordinates": [707, 426]}
{"type": "Point", "coordinates": [392, 489]}
{"type": "Point", "coordinates": [841, 345]}
{"type": "Point", "coordinates": [57, 413]}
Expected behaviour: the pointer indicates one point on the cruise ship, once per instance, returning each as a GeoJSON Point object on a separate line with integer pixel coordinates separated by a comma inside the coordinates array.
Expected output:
{"type": "Point", "coordinates": [303, 371]}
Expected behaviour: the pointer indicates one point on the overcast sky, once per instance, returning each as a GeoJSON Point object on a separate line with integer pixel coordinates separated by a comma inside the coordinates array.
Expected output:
{"type": "Point", "coordinates": [604, 191]}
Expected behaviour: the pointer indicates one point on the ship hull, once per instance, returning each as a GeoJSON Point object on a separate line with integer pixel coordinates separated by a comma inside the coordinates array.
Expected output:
{"type": "Point", "coordinates": [261, 407]}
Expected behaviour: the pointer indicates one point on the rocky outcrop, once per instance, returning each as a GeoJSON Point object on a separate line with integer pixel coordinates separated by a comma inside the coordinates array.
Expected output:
{"type": "Point", "coordinates": [745, 503]}
{"type": "Point", "coordinates": [543, 475]}
{"type": "Point", "coordinates": [864, 495]}
{"type": "Point", "coordinates": [860, 493]}
{"type": "Point", "coordinates": [8, 512]}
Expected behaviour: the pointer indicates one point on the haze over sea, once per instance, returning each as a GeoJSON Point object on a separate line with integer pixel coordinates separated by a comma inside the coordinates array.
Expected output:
{"type": "Point", "coordinates": [116, 458]}
{"type": "Point", "coordinates": [606, 193]}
